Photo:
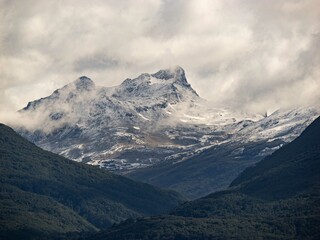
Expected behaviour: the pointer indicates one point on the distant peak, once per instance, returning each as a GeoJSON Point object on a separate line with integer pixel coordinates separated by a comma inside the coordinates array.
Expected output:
{"type": "Point", "coordinates": [174, 72]}
{"type": "Point", "coordinates": [177, 69]}
{"type": "Point", "coordinates": [84, 83]}
{"type": "Point", "coordinates": [174, 78]}
{"type": "Point", "coordinates": [84, 78]}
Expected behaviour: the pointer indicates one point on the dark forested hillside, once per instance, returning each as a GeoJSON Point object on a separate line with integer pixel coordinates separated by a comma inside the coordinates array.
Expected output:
{"type": "Point", "coordinates": [279, 198]}
{"type": "Point", "coordinates": [43, 193]}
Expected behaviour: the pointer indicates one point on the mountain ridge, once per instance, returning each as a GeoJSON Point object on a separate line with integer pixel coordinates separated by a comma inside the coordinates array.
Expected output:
{"type": "Point", "coordinates": [155, 127]}
{"type": "Point", "coordinates": [278, 164]}
{"type": "Point", "coordinates": [252, 207]}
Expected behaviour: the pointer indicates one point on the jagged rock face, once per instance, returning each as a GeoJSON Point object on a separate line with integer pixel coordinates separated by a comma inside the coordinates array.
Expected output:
{"type": "Point", "coordinates": [168, 86]}
{"type": "Point", "coordinates": [98, 124]}
{"type": "Point", "coordinates": [84, 84]}
{"type": "Point", "coordinates": [152, 119]}
{"type": "Point", "coordinates": [135, 101]}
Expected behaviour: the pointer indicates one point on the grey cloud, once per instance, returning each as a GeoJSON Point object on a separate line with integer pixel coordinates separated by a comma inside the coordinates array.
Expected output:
{"type": "Point", "coordinates": [168, 20]}
{"type": "Point", "coordinates": [255, 55]}
{"type": "Point", "coordinates": [95, 62]}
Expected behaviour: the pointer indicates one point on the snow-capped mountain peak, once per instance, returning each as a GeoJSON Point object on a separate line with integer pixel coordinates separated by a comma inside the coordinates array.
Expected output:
{"type": "Point", "coordinates": [177, 73]}
{"type": "Point", "coordinates": [168, 85]}
{"type": "Point", "coordinates": [148, 97]}
{"type": "Point", "coordinates": [69, 92]}
{"type": "Point", "coordinates": [82, 84]}
{"type": "Point", "coordinates": [147, 119]}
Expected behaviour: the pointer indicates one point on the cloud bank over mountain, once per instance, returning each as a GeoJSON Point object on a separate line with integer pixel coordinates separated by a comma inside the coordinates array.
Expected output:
{"type": "Point", "coordinates": [255, 55]}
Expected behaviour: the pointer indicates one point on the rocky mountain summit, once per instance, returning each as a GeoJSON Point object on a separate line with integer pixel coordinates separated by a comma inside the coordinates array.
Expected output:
{"type": "Point", "coordinates": [155, 124]}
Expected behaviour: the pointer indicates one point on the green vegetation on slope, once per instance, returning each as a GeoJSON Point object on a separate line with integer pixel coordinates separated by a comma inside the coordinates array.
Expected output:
{"type": "Point", "coordinates": [25, 215]}
{"type": "Point", "coordinates": [228, 216]}
{"type": "Point", "coordinates": [44, 193]}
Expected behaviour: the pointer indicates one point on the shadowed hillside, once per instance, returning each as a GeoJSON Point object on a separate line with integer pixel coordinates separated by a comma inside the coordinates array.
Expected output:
{"type": "Point", "coordinates": [43, 193]}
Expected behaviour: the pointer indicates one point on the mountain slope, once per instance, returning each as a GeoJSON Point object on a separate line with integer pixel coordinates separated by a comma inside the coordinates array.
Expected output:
{"type": "Point", "coordinates": [116, 127]}
{"type": "Point", "coordinates": [156, 129]}
{"type": "Point", "coordinates": [216, 167]}
{"type": "Point", "coordinates": [44, 193]}
{"type": "Point", "coordinates": [288, 171]}
{"type": "Point", "coordinates": [279, 198]}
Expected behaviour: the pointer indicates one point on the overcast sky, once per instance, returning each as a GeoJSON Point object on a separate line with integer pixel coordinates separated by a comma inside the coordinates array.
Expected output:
{"type": "Point", "coordinates": [257, 55]}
